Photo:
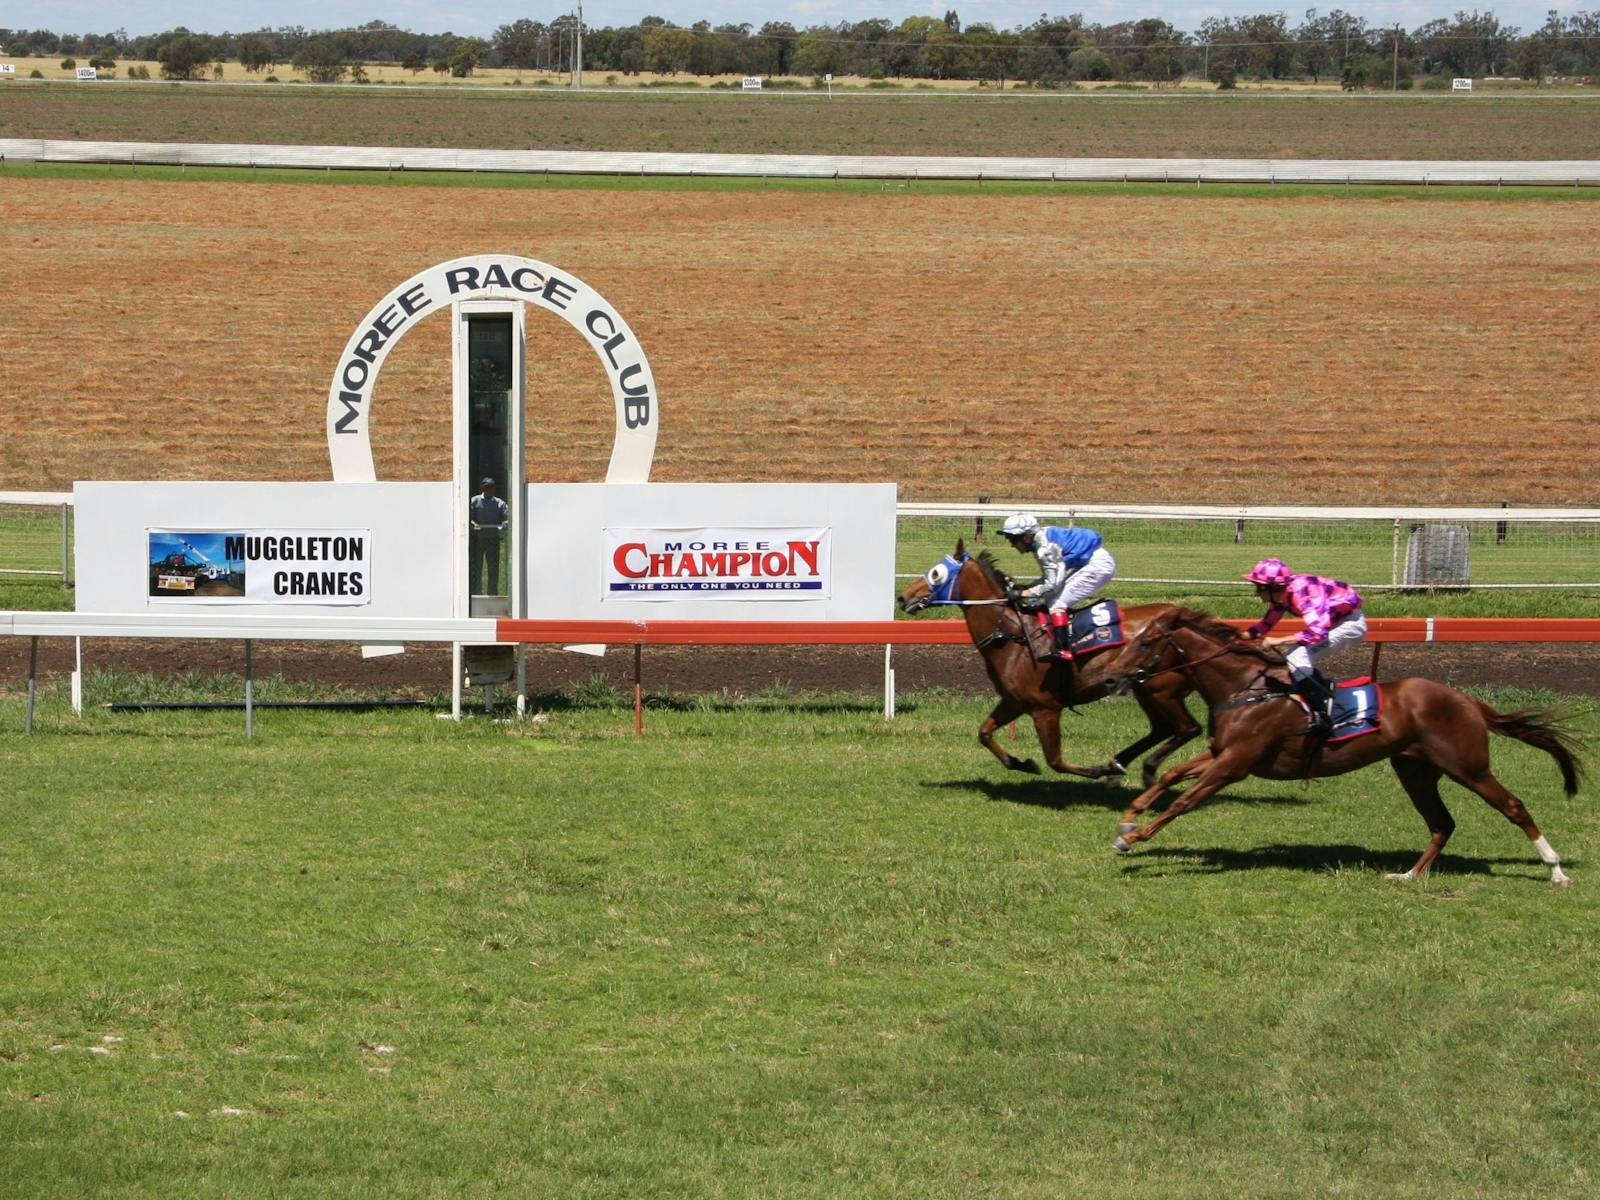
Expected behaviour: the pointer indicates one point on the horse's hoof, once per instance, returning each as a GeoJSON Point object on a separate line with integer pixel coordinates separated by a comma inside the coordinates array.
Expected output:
{"type": "Point", "coordinates": [1401, 877]}
{"type": "Point", "coordinates": [1026, 765]}
{"type": "Point", "coordinates": [1561, 878]}
{"type": "Point", "coordinates": [1126, 827]}
{"type": "Point", "coordinates": [1120, 846]}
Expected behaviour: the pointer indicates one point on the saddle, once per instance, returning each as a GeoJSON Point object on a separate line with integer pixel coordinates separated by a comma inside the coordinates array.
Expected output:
{"type": "Point", "coordinates": [1356, 709]}
{"type": "Point", "coordinates": [1094, 627]}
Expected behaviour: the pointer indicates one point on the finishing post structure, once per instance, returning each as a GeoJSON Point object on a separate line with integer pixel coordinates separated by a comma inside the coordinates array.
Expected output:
{"type": "Point", "coordinates": [487, 296]}
{"type": "Point", "coordinates": [489, 391]}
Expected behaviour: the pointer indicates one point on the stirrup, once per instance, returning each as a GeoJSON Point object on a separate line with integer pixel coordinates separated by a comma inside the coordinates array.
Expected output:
{"type": "Point", "coordinates": [1319, 722]}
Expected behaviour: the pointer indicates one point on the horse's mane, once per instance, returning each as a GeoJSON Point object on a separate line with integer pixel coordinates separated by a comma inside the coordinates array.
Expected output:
{"type": "Point", "coordinates": [986, 560]}
{"type": "Point", "coordinates": [1219, 631]}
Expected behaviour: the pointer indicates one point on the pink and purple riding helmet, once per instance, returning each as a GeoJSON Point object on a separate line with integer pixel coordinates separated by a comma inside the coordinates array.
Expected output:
{"type": "Point", "coordinates": [1269, 571]}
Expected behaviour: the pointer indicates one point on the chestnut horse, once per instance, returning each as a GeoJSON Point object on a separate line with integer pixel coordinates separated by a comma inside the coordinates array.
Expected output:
{"type": "Point", "coordinates": [1012, 644]}
{"type": "Point", "coordinates": [1428, 730]}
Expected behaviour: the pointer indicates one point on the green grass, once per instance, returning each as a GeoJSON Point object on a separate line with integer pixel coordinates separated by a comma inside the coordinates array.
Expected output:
{"type": "Point", "coordinates": [704, 183]}
{"type": "Point", "coordinates": [780, 948]}
{"type": "Point", "coordinates": [1366, 553]}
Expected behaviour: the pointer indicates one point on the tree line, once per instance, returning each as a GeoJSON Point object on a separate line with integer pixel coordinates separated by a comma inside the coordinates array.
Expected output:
{"type": "Point", "coordinates": [1051, 52]}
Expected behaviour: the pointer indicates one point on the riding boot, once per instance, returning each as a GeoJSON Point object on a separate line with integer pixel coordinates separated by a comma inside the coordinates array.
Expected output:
{"type": "Point", "coordinates": [1061, 654]}
{"type": "Point", "coordinates": [1317, 692]}
{"type": "Point", "coordinates": [1060, 643]}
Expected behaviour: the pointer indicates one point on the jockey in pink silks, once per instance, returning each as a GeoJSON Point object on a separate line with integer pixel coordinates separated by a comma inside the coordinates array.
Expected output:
{"type": "Point", "coordinates": [1331, 611]}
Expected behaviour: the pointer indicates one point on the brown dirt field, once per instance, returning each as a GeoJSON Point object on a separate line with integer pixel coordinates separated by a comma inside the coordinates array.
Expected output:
{"type": "Point", "coordinates": [1094, 348]}
{"type": "Point", "coordinates": [1082, 125]}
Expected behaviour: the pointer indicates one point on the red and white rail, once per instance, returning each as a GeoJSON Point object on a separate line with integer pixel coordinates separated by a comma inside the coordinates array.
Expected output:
{"type": "Point", "coordinates": [641, 633]}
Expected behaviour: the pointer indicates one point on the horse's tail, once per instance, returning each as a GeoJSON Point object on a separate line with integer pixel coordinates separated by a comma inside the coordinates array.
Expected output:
{"type": "Point", "coordinates": [1543, 730]}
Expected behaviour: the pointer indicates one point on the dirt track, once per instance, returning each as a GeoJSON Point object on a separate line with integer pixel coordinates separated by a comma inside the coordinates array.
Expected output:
{"type": "Point", "coordinates": [1098, 349]}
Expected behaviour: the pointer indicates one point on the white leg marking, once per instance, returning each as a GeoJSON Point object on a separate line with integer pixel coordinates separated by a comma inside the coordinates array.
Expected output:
{"type": "Point", "coordinates": [1553, 861]}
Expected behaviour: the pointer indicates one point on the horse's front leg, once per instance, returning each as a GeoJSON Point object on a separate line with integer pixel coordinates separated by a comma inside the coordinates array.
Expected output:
{"type": "Point", "coordinates": [1142, 802]}
{"type": "Point", "coordinates": [1047, 724]}
{"type": "Point", "coordinates": [1169, 718]}
{"type": "Point", "coordinates": [1230, 766]}
{"type": "Point", "coordinates": [1004, 713]}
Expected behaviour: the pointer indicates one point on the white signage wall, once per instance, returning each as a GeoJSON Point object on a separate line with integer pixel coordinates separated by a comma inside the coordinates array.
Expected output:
{"type": "Point", "coordinates": [710, 551]}
{"type": "Point", "coordinates": [595, 551]}
{"type": "Point", "coordinates": [368, 549]}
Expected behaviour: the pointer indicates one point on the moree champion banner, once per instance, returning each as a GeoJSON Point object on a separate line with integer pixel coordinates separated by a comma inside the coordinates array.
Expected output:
{"type": "Point", "coordinates": [732, 563]}
{"type": "Point", "coordinates": [259, 566]}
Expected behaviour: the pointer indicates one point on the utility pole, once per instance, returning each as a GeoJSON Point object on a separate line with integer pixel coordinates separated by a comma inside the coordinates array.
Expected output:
{"type": "Point", "coordinates": [1394, 81]}
{"type": "Point", "coordinates": [577, 74]}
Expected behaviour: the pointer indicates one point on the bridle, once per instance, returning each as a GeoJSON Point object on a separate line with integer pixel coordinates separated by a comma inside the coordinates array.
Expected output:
{"type": "Point", "coordinates": [950, 596]}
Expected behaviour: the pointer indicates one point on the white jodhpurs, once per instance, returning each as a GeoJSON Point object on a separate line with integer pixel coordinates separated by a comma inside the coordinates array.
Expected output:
{"type": "Point", "coordinates": [1088, 579]}
{"type": "Point", "coordinates": [1303, 659]}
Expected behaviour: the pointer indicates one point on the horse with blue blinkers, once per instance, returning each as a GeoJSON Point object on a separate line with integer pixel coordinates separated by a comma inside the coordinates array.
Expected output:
{"type": "Point", "coordinates": [1012, 646]}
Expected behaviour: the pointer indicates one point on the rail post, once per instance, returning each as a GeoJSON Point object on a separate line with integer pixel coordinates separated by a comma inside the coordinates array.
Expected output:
{"type": "Point", "coordinates": [638, 688]}
{"type": "Point", "coordinates": [66, 580]}
{"type": "Point", "coordinates": [249, 691]}
{"type": "Point", "coordinates": [888, 682]}
{"type": "Point", "coordinates": [33, 681]}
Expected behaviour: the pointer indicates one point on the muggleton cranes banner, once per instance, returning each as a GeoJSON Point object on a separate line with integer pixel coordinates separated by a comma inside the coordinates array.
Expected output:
{"type": "Point", "coordinates": [259, 566]}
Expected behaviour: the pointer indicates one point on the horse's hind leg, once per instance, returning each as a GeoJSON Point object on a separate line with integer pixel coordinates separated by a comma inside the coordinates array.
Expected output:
{"type": "Point", "coordinates": [1503, 799]}
{"type": "Point", "coordinates": [1170, 719]}
{"type": "Point", "coordinates": [1466, 760]}
{"type": "Point", "coordinates": [1170, 725]}
{"type": "Point", "coordinates": [1004, 713]}
{"type": "Point", "coordinates": [1420, 778]}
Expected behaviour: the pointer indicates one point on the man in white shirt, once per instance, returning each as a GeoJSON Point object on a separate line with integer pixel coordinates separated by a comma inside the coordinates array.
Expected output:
{"type": "Point", "coordinates": [489, 515]}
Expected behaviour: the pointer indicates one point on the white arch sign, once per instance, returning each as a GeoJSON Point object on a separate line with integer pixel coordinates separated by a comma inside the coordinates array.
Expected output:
{"type": "Point", "coordinates": [493, 277]}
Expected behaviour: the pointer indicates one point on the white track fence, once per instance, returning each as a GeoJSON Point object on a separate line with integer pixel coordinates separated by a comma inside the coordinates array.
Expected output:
{"type": "Point", "coordinates": [1209, 548]}
{"type": "Point", "coordinates": [36, 535]}
{"type": "Point", "coordinates": [902, 167]}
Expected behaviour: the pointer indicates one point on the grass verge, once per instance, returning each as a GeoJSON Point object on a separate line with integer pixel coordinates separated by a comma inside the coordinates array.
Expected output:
{"type": "Point", "coordinates": [705, 183]}
{"type": "Point", "coordinates": [766, 949]}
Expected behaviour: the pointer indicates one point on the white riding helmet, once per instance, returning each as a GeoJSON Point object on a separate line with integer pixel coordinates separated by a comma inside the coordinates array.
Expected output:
{"type": "Point", "coordinates": [1020, 524]}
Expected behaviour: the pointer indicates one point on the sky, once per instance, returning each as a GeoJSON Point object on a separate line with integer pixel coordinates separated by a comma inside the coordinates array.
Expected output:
{"type": "Point", "coordinates": [481, 19]}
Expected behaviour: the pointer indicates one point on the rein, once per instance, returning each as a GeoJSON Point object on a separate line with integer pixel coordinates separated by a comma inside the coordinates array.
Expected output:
{"type": "Point", "coordinates": [1188, 663]}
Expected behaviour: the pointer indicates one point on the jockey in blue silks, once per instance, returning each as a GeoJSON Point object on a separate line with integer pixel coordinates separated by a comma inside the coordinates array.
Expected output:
{"type": "Point", "coordinates": [1074, 566]}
